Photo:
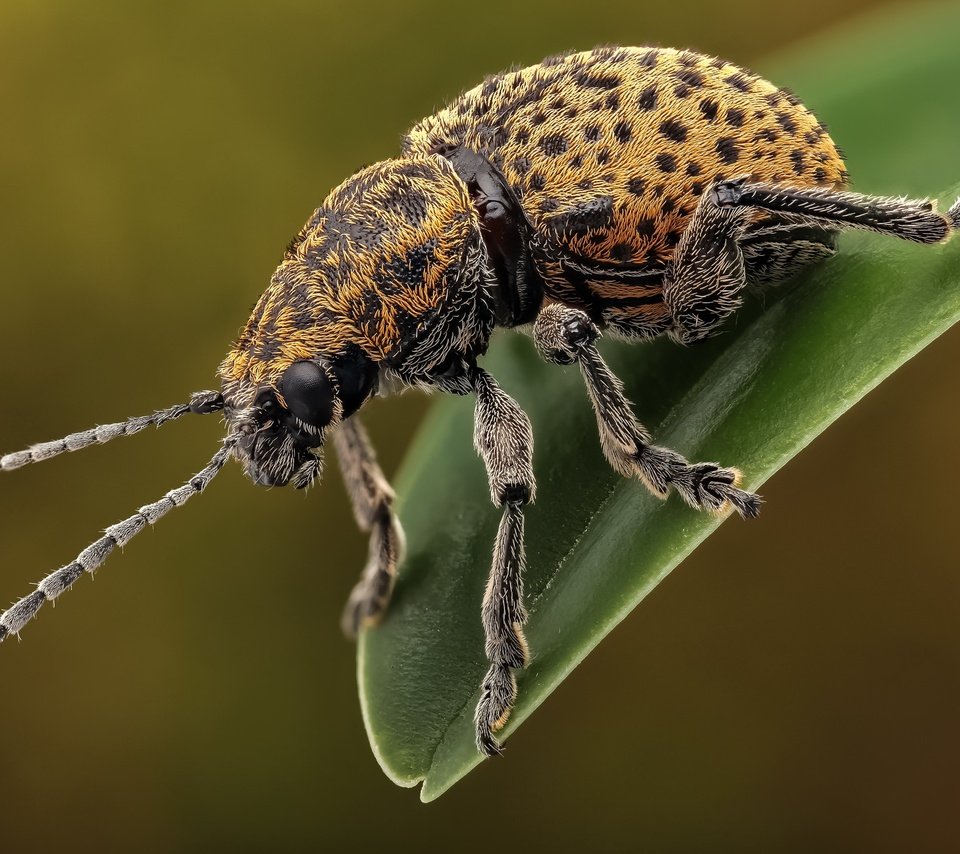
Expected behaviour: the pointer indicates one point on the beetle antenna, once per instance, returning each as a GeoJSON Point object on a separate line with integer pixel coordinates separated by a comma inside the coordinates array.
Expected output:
{"type": "Point", "coordinates": [20, 613]}
{"type": "Point", "coordinates": [201, 403]}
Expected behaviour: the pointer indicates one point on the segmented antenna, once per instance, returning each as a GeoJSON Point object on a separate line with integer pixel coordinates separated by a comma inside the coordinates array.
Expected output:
{"type": "Point", "coordinates": [201, 403]}
{"type": "Point", "coordinates": [18, 615]}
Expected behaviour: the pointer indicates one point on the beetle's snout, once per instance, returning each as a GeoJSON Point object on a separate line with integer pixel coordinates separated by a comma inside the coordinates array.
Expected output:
{"type": "Point", "coordinates": [274, 457]}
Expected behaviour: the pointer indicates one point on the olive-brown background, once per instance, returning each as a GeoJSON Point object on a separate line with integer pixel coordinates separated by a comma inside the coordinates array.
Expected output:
{"type": "Point", "coordinates": [154, 160]}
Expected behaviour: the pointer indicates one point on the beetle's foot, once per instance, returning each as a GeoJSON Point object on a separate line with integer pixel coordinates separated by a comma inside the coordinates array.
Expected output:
{"type": "Point", "coordinates": [367, 604]}
{"type": "Point", "coordinates": [704, 486]}
{"type": "Point", "coordinates": [497, 695]}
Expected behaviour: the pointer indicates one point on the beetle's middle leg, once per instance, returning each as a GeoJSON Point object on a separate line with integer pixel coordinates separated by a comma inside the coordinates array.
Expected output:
{"type": "Point", "coordinates": [372, 500]}
{"type": "Point", "coordinates": [565, 335]}
{"type": "Point", "coordinates": [504, 439]}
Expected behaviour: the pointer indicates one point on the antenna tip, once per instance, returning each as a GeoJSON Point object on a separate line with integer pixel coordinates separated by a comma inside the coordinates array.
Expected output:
{"type": "Point", "coordinates": [9, 462]}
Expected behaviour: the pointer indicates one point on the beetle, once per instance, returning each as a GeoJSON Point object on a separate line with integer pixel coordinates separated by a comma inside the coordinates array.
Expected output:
{"type": "Point", "coordinates": [628, 191]}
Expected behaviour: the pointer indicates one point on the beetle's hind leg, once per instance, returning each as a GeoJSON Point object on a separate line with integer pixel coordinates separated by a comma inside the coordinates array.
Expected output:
{"type": "Point", "coordinates": [372, 500]}
{"type": "Point", "coordinates": [564, 335]}
{"type": "Point", "coordinates": [916, 220]}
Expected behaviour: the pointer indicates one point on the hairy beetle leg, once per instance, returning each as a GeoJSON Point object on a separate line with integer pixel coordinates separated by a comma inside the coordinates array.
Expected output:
{"type": "Point", "coordinates": [504, 440]}
{"type": "Point", "coordinates": [564, 335]}
{"type": "Point", "coordinates": [909, 219]}
{"type": "Point", "coordinates": [372, 500]}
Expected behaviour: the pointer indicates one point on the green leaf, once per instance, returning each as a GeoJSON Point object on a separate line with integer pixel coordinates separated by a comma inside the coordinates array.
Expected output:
{"type": "Point", "coordinates": [753, 398]}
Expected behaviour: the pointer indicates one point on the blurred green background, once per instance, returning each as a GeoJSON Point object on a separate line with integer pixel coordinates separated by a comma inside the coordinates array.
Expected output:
{"type": "Point", "coordinates": [155, 159]}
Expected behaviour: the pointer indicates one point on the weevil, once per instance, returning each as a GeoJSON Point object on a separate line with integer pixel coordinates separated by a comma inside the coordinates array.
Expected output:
{"type": "Point", "coordinates": [632, 192]}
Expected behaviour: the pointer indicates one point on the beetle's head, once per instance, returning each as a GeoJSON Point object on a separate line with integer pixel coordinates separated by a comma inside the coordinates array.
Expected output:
{"type": "Point", "coordinates": [280, 423]}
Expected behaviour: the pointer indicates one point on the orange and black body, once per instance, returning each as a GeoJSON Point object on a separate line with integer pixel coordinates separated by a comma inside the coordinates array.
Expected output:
{"type": "Point", "coordinates": [605, 153]}
{"type": "Point", "coordinates": [635, 191]}
{"type": "Point", "coordinates": [608, 153]}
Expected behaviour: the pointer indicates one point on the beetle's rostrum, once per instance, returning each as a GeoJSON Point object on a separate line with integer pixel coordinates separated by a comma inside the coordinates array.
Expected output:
{"type": "Point", "coordinates": [622, 191]}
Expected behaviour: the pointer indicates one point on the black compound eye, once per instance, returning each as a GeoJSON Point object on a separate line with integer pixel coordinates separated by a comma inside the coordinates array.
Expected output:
{"type": "Point", "coordinates": [308, 393]}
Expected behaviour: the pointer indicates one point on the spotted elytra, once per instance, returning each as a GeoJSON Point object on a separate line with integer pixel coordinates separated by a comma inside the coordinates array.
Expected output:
{"type": "Point", "coordinates": [634, 191]}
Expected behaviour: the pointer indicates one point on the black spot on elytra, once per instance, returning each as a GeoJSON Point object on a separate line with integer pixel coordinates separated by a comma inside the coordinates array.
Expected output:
{"type": "Point", "coordinates": [603, 157]}
{"type": "Point", "coordinates": [773, 99]}
{"type": "Point", "coordinates": [810, 137]}
{"type": "Point", "coordinates": [597, 238]}
{"type": "Point", "coordinates": [727, 149]}
{"type": "Point", "coordinates": [548, 205]}
{"type": "Point", "coordinates": [537, 182]}
{"type": "Point", "coordinates": [646, 227]}
{"type": "Point", "coordinates": [613, 101]}
{"type": "Point", "coordinates": [682, 90]}
{"type": "Point", "coordinates": [658, 190]}
{"type": "Point", "coordinates": [576, 161]}
{"type": "Point", "coordinates": [609, 178]}
{"type": "Point", "coordinates": [735, 118]}
{"type": "Point", "coordinates": [740, 82]}
{"type": "Point", "coordinates": [820, 175]}
{"type": "Point", "coordinates": [787, 123]}
{"type": "Point", "coordinates": [719, 63]}
{"type": "Point", "coordinates": [687, 58]}
{"type": "Point", "coordinates": [572, 112]}
{"type": "Point", "coordinates": [592, 79]}
{"type": "Point", "coordinates": [557, 104]}
{"type": "Point", "coordinates": [796, 157]}
{"type": "Point", "coordinates": [647, 100]}
{"type": "Point", "coordinates": [789, 97]}
{"type": "Point", "coordinates": [521, 165]}
{"type": "Point", "coordinates": [673, 130]}
{"type": "Point", "coordinates": [666, 162]}
{"type": "Point", "coordinates": [696, 189]}
{"type": "Point", "coordinates": [584, 217]}
{"type": "Point", "coordinates": [668, 204]}
{"type": "Point", "coordinates": [522, 135]}
{"type": "Point", "coordinates": [648, 59]}
{"type": "Point", "coordinates": [709, 109]}
{"type": "Point", "coordinates": [673, 237]}
{"type": "Point", "coordinates": [554, 144]}
{"type": "Point", "coordinates": [653, 257]}
{"type": "Point", "coordinates": [766, 135]}
{"type": "Point", "coordinates": [622, 252]}
{"type": "Point", "coordinates": [689, 77]}
{"type": "Point", "coordinates": [538, 118]}
{"type": "Point", "coordinates": [591, 133]}
{"type": "Point", "coordinates": [693, 169]}
{"type": "Point", "coordinates": [636, 186]}
{"type": "Point", "coordinates": [623, 132]}
{"type": "Point", "coordinates": [585, 184]}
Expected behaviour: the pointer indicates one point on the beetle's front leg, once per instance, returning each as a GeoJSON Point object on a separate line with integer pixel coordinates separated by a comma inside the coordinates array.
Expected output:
{"type": "Point", "coordinates": [372, 500]}
{"type": "Point", "coordinates": [504, 439]}
{"type": "Point", "coordinates": [564, 335]}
